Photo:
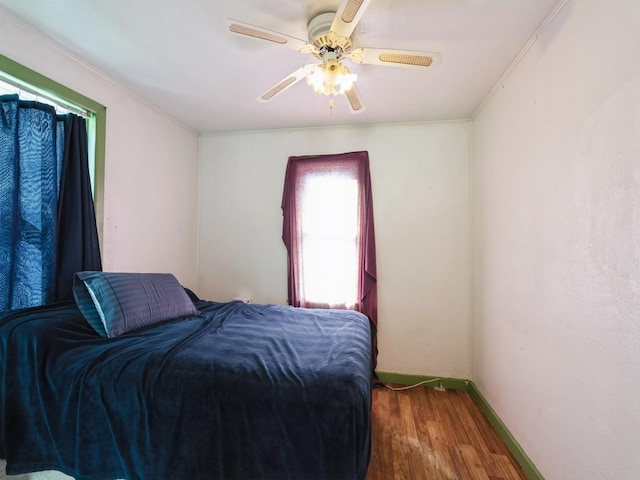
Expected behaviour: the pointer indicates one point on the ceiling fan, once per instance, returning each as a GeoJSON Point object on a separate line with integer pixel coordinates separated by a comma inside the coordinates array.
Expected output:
{"type": "Point", "coordinates": [330, 42]}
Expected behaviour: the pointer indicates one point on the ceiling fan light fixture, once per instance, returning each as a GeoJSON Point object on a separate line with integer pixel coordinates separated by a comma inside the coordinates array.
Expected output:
{"type": "Point", "coordinates": [331, 78]}
{"type": "Point", "coordinates": [347, 81]}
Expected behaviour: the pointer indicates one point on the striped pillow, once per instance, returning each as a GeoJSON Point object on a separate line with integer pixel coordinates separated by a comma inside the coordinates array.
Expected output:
{"type": "Point", "coordinates": [114, 303]}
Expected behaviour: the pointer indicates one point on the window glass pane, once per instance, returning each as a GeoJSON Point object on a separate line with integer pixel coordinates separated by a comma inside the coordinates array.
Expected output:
{"type": "Point", "coordinates": [329, 224]}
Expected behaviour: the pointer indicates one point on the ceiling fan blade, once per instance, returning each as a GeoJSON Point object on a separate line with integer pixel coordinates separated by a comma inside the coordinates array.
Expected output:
{"type": "Point", "coordinates": [287, 82]}
{"type": "Point", "coordinates": [355, 101]}
{"type": "Point", "coordinates": [260, 33]}
{"type": "Point", "coordinates": [394, 58]}
{"type": "Point", "coordinates": [348, 16]}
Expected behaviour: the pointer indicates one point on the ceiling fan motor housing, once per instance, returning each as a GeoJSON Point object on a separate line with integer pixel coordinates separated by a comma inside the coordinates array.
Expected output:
{"type": "Point", "coordinates": [319, 31]}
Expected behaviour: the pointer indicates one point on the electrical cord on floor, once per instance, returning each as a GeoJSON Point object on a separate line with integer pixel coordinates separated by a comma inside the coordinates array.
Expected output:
{"type": "Point", "coordinates": [407, 387]}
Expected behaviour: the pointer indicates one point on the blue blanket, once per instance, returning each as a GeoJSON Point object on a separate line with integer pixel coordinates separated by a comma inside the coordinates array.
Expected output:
{"type": "Point", "coordinates": [242, 391]}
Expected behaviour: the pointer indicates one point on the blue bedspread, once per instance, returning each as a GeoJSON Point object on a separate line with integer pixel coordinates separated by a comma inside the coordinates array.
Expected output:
{"type": "Point", "coordinates": [242, 391]}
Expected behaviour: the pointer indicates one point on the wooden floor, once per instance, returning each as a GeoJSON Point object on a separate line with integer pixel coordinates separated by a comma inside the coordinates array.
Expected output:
{"type": "Point", "coordinates": [424, 433]}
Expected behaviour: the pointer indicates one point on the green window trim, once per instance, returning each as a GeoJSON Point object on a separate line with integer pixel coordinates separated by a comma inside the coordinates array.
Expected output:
{"type": "Point", "coordinates": [17, 73]}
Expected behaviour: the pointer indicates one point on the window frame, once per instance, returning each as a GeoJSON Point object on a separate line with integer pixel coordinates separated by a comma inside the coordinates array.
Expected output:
{"type": "Point", "coordinates": [309, 236]}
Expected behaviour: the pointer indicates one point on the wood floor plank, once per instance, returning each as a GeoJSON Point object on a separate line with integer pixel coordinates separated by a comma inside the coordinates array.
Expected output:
{"type": "Point", "coordinates": [458, 464]}
{"type": "Point", "coordinates": [480, 438]}
{"type": "Point", "coordinates": [422, 413]}
{"type": "Point", "coordinates": [492, 440]}
{"type": "Point", "coordinates": [423, 433]}
{"type": "Point", "coordinates": [459, 422]}
{"type": "Point", "coordinates": [380, 416]}
{"type": "Point", "coordinates": [471, 459]}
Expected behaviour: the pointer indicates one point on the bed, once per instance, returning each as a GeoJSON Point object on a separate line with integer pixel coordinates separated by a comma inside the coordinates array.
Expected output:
{"type": "Point", "coordinates": [233, 391]}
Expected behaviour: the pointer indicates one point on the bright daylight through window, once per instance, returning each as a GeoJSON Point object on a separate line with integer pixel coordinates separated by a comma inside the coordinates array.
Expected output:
{"type": "Point", "coordinates": [330, 224]}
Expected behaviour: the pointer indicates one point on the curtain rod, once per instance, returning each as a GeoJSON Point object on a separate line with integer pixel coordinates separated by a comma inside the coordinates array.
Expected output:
{"type": "Point", "coordinates": [11, 81]}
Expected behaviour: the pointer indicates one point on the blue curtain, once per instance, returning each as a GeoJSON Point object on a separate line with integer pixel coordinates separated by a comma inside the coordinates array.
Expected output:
{"type": "Point", "coordinates": [33, 150]}
{"type": "Point", "coordinates": [77, 246]}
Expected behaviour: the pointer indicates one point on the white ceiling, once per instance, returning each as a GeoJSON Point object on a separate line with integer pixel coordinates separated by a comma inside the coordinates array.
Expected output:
{"type": "Point", "coordinates": [178, 55]}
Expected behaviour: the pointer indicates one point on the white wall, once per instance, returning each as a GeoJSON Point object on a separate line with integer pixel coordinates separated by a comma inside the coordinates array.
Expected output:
{"type": "Point", "coordinates": [420, 181]}
{"type": "Point", "coordinates": [150, 201]}
{"type": "Point", "coordinates": [557, 271]}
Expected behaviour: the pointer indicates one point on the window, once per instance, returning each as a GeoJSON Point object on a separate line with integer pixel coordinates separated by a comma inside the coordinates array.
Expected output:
{"type": "Point", "coordinates": [49, 226]}
{"type": "Point", "coordinates": [29, 80]}
{"type": "Point", "coordinates": [329, 217]}
{"type": "Point", "coordinates": [328, 231]}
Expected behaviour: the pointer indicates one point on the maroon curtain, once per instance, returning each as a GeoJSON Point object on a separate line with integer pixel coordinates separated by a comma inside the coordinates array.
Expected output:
{"type": "Point", "coordinates": [358, 162]}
